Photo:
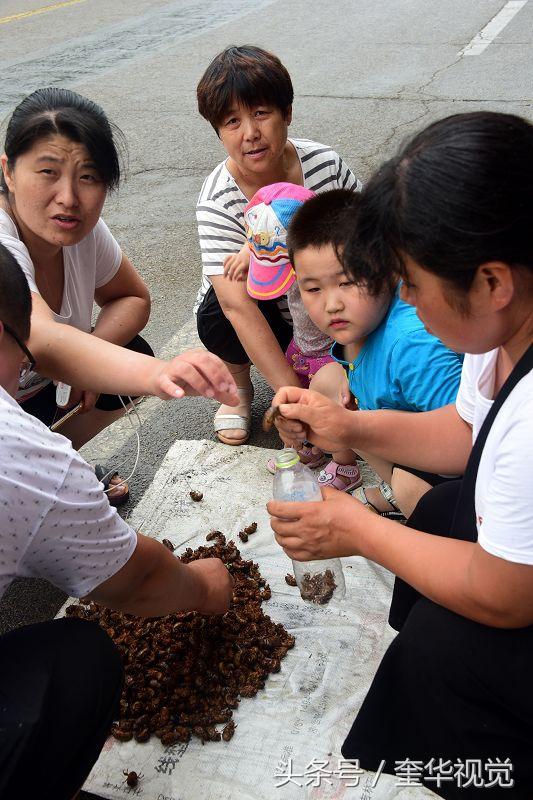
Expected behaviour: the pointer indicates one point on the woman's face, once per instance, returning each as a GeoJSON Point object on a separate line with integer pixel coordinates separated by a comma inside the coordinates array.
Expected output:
{"type": "Point", "coordinates": [57, 192]}
{"type": "Point", "coordinates": [255, 138]}
{"type": "Point", "coordinates": [478, 330]}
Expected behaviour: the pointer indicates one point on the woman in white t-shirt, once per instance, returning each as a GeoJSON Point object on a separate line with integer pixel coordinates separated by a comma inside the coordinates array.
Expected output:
{"type": "Point", "coordinates": [59, 163]}
{"type": "Point", "coordinates": [453, 696]}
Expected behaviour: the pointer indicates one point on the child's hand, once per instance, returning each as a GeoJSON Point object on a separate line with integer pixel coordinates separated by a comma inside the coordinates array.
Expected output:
{"type": "Point", "coordinates": [236, 265]}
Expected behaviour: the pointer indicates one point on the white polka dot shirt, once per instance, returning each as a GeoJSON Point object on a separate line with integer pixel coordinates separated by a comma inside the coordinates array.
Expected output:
{"type": "Point", "coordinates": [55, 520]}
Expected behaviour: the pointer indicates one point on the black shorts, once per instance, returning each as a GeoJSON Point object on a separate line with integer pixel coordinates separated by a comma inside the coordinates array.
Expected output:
{"type": "Point", "coordinates": [60, 686]}
{"type": "Point", "coordinates": [448, 688]}
{"type": "Point", "coordinates": [43, 404]}
{"type": "Point", "coordinates": [217, 333]}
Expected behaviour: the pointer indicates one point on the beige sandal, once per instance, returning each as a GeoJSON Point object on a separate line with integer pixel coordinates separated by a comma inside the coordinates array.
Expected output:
{"type": "Point", "coordinates": [224, 422]}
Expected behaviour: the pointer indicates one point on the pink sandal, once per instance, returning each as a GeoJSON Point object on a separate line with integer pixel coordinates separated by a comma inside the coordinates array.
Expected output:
{"type": "Point", "coordinates": [307, 457]}
{"type": "Point", "coordinates": [330, 476]}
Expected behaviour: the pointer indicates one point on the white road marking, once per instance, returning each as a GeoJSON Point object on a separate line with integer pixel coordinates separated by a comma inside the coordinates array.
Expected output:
{"type": "Point", "coordinates": [482, 40]}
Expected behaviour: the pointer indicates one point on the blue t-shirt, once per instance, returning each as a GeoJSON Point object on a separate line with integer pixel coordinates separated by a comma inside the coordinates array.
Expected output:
{"type": "Point", "coordinates": [402, 366]}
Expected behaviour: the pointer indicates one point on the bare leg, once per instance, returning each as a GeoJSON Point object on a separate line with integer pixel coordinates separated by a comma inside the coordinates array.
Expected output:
{"type": "Point", "coordinates": [83, 427]}
{"type": "Point", "coordinates": [331, 381]}
{"type": "Point", "coordinates": [406, 488]}
{"type": "Point", "coordinates": [241, 375]}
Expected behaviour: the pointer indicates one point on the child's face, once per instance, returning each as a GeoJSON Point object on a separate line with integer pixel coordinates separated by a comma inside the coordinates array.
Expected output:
{"type": "Point", "coordinates": [341, 309]}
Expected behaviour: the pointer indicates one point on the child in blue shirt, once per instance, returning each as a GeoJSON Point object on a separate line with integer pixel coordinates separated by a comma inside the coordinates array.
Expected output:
{"type": "Point", "coordinates": [391, 360]}
{"type": "Point", "coordinates": [400, 365]}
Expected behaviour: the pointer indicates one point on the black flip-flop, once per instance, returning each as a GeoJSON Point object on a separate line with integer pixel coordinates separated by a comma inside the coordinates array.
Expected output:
{"type": "Point", "coordinates": [105, 476]}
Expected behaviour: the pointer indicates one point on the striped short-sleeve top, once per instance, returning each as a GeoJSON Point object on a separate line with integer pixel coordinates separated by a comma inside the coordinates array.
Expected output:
{"type": "Point", "coordinates": [220, 207]}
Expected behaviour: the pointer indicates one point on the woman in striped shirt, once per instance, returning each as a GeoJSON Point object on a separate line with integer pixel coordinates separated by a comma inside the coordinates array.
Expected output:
{"type": "Point", "coordinates": [246, 94]}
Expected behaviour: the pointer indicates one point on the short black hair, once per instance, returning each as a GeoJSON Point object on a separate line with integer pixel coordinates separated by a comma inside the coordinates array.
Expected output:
{"type": "Point", "coordinates": [51, 111]}
{"type": "Point", "coordinates": [458, 194]}
{"type": "Point", "coordinates": [15, 295]}
{"type": "Point", "coordinates": [244, 74]}
{"type": "Point", "coordinates": [328, 218]}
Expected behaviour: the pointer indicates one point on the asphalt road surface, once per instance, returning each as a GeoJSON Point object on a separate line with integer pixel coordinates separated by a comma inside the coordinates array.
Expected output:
{"type": "Point", "coordinates": [366, 74]}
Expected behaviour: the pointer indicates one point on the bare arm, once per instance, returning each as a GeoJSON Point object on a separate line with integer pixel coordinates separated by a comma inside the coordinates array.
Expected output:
{"type": "Point", "coordinates": [254, 332]}
{"type": "Point", "coordinates": [125, 305]}
{"type": "Point", "coordinates": [236, 264]}
{"type": "Point", "coordinates": [437, 441]}
{"type": "Point", "coordinates": [456, 574]}
{"type": "Point", "coordinates": [88, 362]}
{"type": "Point", "coordinates": [154, 582]}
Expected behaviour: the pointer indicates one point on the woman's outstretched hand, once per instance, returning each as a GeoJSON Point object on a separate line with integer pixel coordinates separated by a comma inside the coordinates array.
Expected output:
{"type": "Point", "coordinates": [307, 415]}
{"type": "Point", "coordinates": [193, 373]}
{"type": "Point", "coordinates": [313, 531]}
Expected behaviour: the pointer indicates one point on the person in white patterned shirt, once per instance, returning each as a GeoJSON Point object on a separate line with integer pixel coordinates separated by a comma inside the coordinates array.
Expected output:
{"type": "Point", "coordinates": [61, 680]}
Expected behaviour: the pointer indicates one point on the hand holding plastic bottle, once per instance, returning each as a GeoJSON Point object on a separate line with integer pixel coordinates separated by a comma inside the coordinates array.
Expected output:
{"type": "Point", "coordinates": [296, 485]}
{"type": "Point", "coordinates": [329, 530]}
{"type": "Point", "coordinates": [337, 527]}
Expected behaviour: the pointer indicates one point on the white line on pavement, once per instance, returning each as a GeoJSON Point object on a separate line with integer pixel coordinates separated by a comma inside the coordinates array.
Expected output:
{"type": "Point", "coordinates": [482, 40]}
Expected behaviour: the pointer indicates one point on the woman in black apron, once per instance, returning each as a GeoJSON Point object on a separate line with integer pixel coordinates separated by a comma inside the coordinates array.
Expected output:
{"type": "Point", "coordinates": [451, 705]}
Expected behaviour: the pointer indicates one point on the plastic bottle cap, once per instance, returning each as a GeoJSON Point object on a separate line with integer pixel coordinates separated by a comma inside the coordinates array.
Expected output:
{"type": "Point", "coordinates": [287, 458]}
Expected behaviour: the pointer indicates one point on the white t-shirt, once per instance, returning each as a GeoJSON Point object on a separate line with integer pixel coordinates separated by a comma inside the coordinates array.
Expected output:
{"type": "Point", "coordinates": [88, 266]}
{"type": "Point", "coordinates": [504, 485]}
{"type": "Point", "coordinates": [220, 206]}
{"type": "Point", "coordinates": [55, 520]}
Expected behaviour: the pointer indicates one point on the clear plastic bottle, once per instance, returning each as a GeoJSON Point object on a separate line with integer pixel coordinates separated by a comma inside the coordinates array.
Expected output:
{"type": "Point", "coordinates": [318, 581]}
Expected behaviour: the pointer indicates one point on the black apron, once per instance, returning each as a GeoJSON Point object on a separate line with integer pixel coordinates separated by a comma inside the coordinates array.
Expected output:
{"type": "Point", "coordinates": [448, 688]}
